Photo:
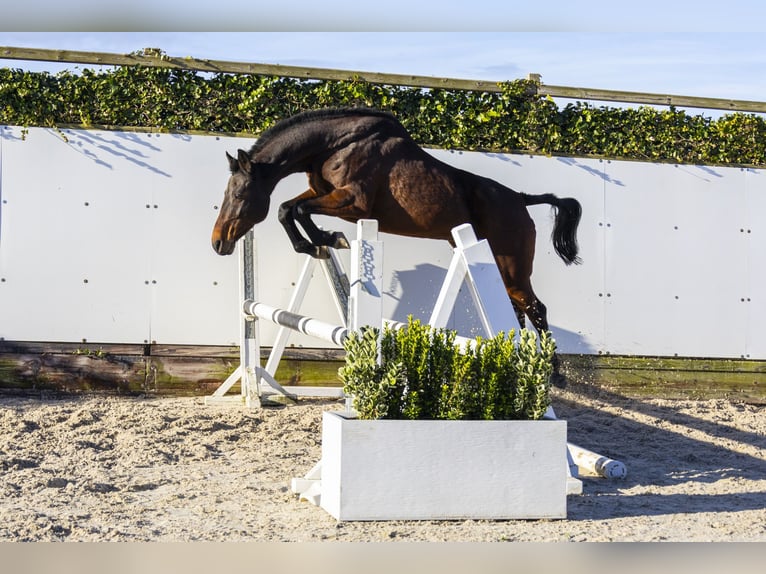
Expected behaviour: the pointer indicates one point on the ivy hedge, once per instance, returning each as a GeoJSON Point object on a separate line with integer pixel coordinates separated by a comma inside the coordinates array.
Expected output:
{"type": "Point", "coordinates": [514, 119]}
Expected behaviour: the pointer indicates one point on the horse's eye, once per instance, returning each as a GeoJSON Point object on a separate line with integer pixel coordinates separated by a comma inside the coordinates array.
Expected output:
{"type": "Point", "coordinates": [241, 195]}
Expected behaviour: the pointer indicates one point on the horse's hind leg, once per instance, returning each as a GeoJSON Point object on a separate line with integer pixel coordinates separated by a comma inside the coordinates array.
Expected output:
{"type": "Point", "coordinates": [538, 315]}
{"type": "Point", "coordinates": [525, 301]}
{"type": "Point", "coordinates": [520, 315]}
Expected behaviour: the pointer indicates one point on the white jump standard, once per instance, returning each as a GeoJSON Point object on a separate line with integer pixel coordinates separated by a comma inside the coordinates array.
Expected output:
{"type": "Point", "coordinates": [358, 302]}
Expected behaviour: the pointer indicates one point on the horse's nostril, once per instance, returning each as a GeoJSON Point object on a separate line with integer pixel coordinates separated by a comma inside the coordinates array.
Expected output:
{"type": "Point", "coordinates": [217, 245]}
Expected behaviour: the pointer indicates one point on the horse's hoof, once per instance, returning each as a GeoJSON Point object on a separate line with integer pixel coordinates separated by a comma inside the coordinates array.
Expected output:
{"type": "Point", "coordinates": [558, 380]}
{"type": "Point", "coordinates": [340, 241]}
{"type": "Point", "coordinates": [307, 248]}
{"type": "Point", "coordinates": [321, 252]}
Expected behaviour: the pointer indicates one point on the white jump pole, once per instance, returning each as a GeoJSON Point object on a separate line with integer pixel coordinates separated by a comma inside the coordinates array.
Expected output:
{"type": "Point", "coordinates": [594, 462]}
{"type": "Point", "coordinates": [307, 325]}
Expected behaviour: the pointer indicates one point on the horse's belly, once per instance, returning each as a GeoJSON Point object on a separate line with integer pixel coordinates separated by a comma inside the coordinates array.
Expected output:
{"type": "Point", "coordinates": [423, 216]}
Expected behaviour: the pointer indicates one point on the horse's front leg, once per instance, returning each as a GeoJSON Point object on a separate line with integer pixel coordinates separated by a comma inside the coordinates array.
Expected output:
{"type": "Point", "coordinates": [340, 202]}
{"type": "Point", "coordinates": [290, 213]}
{"type": "Point", "coordinates": [286, 216]}
{"type": "Point", "coordinates": [319, 236]}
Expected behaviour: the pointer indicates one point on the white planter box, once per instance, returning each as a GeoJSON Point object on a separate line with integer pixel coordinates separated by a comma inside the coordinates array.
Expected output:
{"type": "Point", "coordinates": [430, 470]}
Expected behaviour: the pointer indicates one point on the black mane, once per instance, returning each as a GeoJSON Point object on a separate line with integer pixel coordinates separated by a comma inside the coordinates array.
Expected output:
{"type": "Point", "coordinates": [310, 116]}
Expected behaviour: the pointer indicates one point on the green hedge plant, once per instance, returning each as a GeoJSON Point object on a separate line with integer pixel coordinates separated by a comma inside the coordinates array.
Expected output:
{"type": "Point", "coordinates": [418, 372]}
{"type": "Point", "coordinates": [515, 119]}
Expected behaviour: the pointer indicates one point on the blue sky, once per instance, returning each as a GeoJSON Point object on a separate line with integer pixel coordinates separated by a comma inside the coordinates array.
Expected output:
{"type": "Point", "coordinates": [679, 51]}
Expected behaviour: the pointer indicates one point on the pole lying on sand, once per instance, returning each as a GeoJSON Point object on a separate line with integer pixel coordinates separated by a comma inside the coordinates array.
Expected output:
{"type": "Point", "coordinates": [594, 462]}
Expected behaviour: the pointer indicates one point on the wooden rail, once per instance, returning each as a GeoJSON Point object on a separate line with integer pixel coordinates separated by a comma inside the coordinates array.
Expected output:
{"type": "Point", "coordinates": [167, 370]}
{"type": "Point", "coordinates": [155, 58]}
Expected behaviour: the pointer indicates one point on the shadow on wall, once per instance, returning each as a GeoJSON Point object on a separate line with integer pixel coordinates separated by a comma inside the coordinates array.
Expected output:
{"type": "Point", "coordinates": [596, 172]}
{"type": "Point", "coordinates": [416, 290]}
{"type": "Point", "coordinates": [503, 157]}
{"type": "Point", "coordinates": [571, 343]}
{"type": "Point", "coordinates": [8, 133]}
{"type": "Point", "coordinates": [129, 147]}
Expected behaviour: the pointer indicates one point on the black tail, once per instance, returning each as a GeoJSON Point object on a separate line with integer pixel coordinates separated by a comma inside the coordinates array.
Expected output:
{"type": "Point", "coordinates": [564, 236]}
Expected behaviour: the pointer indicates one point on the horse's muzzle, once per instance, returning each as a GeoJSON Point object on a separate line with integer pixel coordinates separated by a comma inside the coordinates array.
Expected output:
{"type": "Point", "coordinates": [223, 247]}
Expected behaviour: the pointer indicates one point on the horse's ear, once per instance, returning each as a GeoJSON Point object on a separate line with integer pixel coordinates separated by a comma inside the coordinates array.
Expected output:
{"type": "Point", "coordinates": [233, 163]}
{"type": "Point", "coordinates": [244, 161]}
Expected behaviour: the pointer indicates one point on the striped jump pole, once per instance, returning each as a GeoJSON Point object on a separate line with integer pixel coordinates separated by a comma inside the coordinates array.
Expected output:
{"type": "Point", "coordinates": [307, 325]}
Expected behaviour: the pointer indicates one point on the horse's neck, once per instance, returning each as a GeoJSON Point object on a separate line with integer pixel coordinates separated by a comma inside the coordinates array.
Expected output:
{"type": "Point", "coordinates": [294, 151]}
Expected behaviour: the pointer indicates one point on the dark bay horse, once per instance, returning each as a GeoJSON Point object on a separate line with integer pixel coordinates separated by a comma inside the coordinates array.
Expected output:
{"type": "Point", "coordinates": [362, 163]}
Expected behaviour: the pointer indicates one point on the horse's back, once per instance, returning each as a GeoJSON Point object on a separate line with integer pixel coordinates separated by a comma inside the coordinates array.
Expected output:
{"type": "Point", "coordinates": [360, 123]}
{"type": "Point", "coordinates": [411, 191]}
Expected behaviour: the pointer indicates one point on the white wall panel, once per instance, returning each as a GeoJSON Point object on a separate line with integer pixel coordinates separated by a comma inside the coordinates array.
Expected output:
{"type": "Point", "coordinates": [75, 249]}
{"type": "Point", "coordinates": [675, 260]}
{"type": "Point", "coordinates": [194, 290]}
{"type": "Point", "coordinates": [754, 290]}
{"type": "Point", "coordinates": [673, 257]}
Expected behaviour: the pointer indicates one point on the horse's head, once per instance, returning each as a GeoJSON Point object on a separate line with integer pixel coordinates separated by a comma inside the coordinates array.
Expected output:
{"type": "Point", "coordinates": [245, 203]}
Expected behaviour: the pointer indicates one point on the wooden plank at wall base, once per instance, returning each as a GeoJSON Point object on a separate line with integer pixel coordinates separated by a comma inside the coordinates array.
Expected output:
{"type": "Point", "coordinates": [77, 367]}
{"type": "Point", "coordinates": [187, 375]}
{"type": "Point", "coordinates": [670, 377]}
{"type": "Point", "coordinates": [163, 370]}
{"type": "Point", "coordinates": [71, 367]}
{"type": "Point", "coordinates": [166, 370]}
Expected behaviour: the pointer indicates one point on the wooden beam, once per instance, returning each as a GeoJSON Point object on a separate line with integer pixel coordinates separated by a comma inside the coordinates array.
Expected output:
{"type": "Point", "coordinates": [166, 370]}
{"type": "Point", "coordinates": [652, 99]}
{"type": "Point", "coordinates": [670, 377]}
{"type": "Point", "coordinates": [156, 58]}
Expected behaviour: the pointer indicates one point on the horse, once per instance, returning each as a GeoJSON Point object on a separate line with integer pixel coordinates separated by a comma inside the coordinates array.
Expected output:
{"type": "Point", "coordinates": [362, 163]}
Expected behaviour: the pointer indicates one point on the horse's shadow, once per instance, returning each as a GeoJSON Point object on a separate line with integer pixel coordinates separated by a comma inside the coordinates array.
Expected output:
{"type": "Point", "coordinates": [659, 457]}
{"type": "Point", "coordinates": [416, 291]}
